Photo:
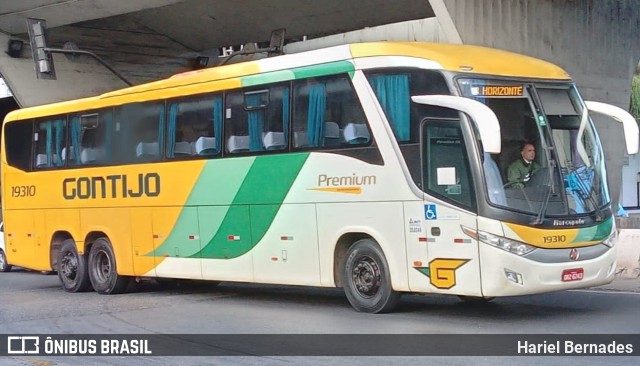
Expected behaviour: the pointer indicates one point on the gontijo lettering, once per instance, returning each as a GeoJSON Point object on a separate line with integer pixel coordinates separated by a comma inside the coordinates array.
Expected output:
{"type": "Point", "coordinates": [112, 186]}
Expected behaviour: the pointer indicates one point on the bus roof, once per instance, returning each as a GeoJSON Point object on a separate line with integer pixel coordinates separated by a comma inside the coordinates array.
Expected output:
{"type": "Point", "coordinates": [457, 58]}
{"type": "Point", "coordinates": [466, 58]}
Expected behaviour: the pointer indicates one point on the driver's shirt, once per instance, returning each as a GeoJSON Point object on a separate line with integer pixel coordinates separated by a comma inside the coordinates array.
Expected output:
{"type": "Point", "coordinates": [520, 172]}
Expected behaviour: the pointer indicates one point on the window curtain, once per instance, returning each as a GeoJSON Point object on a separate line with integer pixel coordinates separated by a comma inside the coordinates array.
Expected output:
{"type": "Point", "coordinates": [161, 129]}
{"type": "Point", "coordinates": [49, 143]}
{"type": "Point", "coordinates": [256, 123]}
{"type": "Point", "coordinates": [217, 122]}
{"type": "Point", "coordinates": [59, 128]}
{"type": "Point", "coordinates": [108, 124]}
{"type": "Point", "coordinates": [315, 114]}
{"type": "Point", "coordinates": [393, 94]}
{"type": "Point", "coordinates": [76, 138]}
{"type": "Point", "coordinates": [285, 115]}
{"type": "Point", "coordinates": [171, 130]}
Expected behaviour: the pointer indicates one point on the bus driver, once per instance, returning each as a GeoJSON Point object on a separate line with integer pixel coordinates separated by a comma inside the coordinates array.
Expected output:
{"type": "Point", "coordinates": [521, 170]}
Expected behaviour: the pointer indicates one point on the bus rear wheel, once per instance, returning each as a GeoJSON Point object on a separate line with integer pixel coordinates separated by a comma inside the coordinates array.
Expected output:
{"type": "Point", "coordinates": [72, 268]}
{"type": "Point", "coordinates": [4, 265]}
{"type": "Point", "coordinates": [103, 270]}
{"type": "Point", "coordinates": [367, 281]}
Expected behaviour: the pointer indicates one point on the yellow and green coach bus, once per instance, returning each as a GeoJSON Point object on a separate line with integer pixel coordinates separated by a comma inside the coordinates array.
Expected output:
{"type": "Point", "coordinates": [382, 168]}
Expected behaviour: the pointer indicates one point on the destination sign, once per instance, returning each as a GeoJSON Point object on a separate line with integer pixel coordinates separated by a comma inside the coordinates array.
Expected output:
{"type": "Point", "coordinates": [498, 91]}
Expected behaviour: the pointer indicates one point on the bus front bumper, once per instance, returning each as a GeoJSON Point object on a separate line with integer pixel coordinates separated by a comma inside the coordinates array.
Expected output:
{"type": "Point", "coordinates": [507, 274]}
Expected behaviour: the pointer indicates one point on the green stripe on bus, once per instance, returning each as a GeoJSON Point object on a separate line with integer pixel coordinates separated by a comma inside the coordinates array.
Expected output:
{"type": "Point", "coordinates": [254, 207]}
{"type": "Point", "coordinates": [599, 232]}
{"type": "Point", "coordinates": [267, 78]}
{"type": "Point", "coordinates": [323, 69]}
{"type": "Point", "coordinates": [217, 185]}
{"type": "Point", "coordinates": [299, 73]}
{"type": "Point", "coordinates": [220, 181]}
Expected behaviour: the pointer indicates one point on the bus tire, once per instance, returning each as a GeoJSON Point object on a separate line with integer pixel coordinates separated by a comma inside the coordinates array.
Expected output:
{"type": "Point", "coordinates": [72, 268]}
{"type": "Point", "coordinates": [367, 281]}
{"type": "Point", "coordinates": [103, 269]}
{"type": "Point", "coordinates": [4, 265]}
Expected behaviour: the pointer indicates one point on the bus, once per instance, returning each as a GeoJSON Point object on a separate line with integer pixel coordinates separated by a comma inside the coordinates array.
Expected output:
{"type": "Point", "coordinates": [380, 168]}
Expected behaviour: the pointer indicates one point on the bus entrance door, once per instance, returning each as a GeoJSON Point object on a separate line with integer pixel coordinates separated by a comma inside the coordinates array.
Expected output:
{"type": "Point", "coordinates": [453, 261]}
{"type": "Point", "coordinates": [453, 265]}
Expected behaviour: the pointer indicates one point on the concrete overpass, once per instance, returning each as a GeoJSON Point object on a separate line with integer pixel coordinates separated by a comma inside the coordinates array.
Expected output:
{"type": "Point", "coordinates": [596, 41]}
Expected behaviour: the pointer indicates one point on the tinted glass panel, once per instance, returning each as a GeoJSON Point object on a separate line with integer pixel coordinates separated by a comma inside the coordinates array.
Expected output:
{"type": "Point", "coordinates": [194, 127]}
{"type": "Point", "coordinates": [50, 143]}
{"type": "Point", "coordinates": [327, 114]}
{"type": "Point", "coordinates": [90, 138]}
{"type": "Point", "coordinates": [16, 139]}
{"type": "Point", "coordinates": [139, 132]}
{"type": "Point", "coordinates": [446, 170]}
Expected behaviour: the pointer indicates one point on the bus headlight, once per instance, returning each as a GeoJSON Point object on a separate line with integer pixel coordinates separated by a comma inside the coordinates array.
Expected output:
{"type": "Point", "coordinates": [509, 245]}
{"type": "Point", "coordinates": [612, 239]}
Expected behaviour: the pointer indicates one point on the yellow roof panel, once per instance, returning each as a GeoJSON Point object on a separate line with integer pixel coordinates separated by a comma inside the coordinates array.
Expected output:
{"type": "Point", "coordinates": [465, 58]}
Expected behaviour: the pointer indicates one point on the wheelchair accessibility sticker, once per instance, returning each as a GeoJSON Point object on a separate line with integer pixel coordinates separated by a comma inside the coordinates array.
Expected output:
{"type": "Point", "coordinates": [430, 212]}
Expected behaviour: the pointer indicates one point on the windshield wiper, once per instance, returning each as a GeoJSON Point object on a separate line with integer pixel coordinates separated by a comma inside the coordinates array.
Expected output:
{"type": "Point", "coordinates": [551, 165]}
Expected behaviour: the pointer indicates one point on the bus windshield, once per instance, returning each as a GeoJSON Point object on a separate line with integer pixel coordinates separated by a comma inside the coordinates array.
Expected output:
{"type": "Point", "coordinates": [551, 162]}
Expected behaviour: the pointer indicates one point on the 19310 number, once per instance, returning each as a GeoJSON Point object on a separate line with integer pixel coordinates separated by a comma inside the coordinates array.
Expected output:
{"type": "Point", "coordinates": [23, 191]}
{"type": "Point", "coordinates": [555, 239]}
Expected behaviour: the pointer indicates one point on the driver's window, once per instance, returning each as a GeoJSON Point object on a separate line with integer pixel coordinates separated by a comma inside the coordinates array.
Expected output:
{"type": "Point", "coordinates": [446, 171]}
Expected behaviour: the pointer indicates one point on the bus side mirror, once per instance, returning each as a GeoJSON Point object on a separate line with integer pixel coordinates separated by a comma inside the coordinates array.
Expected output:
{"type": "Point", "coordinates": [480, 114]}
{"type": "Point", "coordinates": [629, 124]}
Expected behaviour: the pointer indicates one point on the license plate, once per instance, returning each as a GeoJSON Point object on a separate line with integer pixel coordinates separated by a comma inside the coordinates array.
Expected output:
{"type": "Point", "coordinates": [575, 274]}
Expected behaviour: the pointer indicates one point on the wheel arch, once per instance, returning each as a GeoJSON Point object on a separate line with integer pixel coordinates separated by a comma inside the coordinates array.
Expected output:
{"type": "Point", "coordinates": [341, 251]}
{"type": "Point", "coordinates": [394, 251]}
{"type": "Point", "coordinates": [90, 238]}
{"type": "Point", "coordinates": [57, 239]}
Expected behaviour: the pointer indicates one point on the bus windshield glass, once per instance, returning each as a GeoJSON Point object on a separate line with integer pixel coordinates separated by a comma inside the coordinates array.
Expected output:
{"type": "Point", "coordinates": [551, 162]}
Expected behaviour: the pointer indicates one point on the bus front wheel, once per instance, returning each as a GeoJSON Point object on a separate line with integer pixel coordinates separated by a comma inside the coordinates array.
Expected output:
{"type": "Point", "coordinates": [367, 281]}
{"type": "Point", "coordinates": [103, 271]}
{"type": "Point", "coordinates": [72, 268]}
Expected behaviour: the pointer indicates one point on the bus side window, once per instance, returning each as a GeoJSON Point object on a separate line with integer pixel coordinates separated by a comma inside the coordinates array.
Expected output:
{"type": "Point", "coordinates": [257, 120]}
{"type": "Point", "coordinates": [50, 140]}
{"type": "Point", "coordinates": [139, 133]}
{"type": "Point", "coordinates": [90, 137]}
{"type": "Point", "coordinates": [15, 135]}
{"type": "Point", "coordinates": [194, 127]}
{"type": "Point", "coordinates": [327, 114]}
{"type": "Point", "coordinates": [445, 152]}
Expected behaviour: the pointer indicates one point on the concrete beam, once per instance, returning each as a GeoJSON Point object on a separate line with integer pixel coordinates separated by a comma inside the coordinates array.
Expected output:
{"type": "Point", "coordinates": [423, 30]}
{"type": "Point", "coordinates": [62, 12]}
{"type": "Point", "coordinates": [76, 79]}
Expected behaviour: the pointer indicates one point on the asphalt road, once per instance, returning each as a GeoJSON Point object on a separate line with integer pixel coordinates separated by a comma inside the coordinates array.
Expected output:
{"type": "Point", "coordinates": [31, 303]}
